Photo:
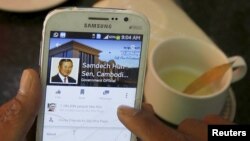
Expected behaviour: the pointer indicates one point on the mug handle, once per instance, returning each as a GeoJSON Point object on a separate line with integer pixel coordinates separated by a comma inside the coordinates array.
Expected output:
{"type": "Point", "coordinates": [239, 68]}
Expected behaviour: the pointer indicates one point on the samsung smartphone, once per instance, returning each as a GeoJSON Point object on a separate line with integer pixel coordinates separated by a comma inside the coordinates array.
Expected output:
{"type": "Point", "coordinates": [92, 61]}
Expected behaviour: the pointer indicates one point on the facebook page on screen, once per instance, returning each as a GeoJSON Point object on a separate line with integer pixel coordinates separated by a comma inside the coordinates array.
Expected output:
{"type": "Point", "coordinates": [89, 76]}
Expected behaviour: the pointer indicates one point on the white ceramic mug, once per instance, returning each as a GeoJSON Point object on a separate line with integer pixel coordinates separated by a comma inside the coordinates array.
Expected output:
{"type": "Point", "coordinates": [186, 53]}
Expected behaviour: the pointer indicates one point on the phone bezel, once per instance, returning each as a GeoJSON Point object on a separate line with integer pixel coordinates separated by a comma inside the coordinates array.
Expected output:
{"type": "Point", "coordinates": [58, 20]}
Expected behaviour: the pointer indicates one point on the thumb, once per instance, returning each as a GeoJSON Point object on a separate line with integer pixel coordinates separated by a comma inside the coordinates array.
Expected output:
{"type": "Point", "coordinates": [146, 125]}
{"type": "Point", "coordinates": [18, 115]}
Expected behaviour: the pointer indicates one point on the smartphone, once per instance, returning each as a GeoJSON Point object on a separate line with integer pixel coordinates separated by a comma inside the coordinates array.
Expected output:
{"type": "Point", "coordinates": [92, 61]}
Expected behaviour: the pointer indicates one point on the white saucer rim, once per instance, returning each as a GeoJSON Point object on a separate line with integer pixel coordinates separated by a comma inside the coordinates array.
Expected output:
{"type": "Point", "coordinates": [231, 105]}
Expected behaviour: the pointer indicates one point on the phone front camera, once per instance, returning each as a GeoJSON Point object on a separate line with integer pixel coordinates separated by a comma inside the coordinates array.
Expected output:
{"type": "Point", "coordinates": [126, 19]}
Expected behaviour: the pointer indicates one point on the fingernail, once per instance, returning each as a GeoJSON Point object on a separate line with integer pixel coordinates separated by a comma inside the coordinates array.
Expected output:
{"type": "Point", "coordinates": [25, 82]}
{"type": "Point", "coordinates": [126, 111]}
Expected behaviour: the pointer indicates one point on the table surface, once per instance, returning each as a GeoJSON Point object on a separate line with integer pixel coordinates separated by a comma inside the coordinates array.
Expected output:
{"type": "Point", "coordinates": [226, 23]}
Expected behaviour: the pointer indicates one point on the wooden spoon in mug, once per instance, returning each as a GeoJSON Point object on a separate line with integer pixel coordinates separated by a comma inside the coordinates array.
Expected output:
{"type": "Point", "coordinates": [207, 78]}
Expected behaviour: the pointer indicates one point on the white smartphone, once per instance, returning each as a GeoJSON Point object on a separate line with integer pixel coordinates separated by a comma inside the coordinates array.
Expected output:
{"type": "Point", "coordinates": [92, 60]}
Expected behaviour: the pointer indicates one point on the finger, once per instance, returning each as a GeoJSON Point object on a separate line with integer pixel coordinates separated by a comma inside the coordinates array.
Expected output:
{"type": "Point", "coordinates": [215, 119]}
{"type": "Point", "coordinates": [17, 115]}
{"type": "Point", "coordinates": [194, 129]}
{"type": "Point", "coordinates": [30, 92]}
{"type": "Point", "coordinates": [31, 135]}
{"type": "Point", "coordinates": [147, 107]}
{"type": "Point", "coordinates": [146, 126]}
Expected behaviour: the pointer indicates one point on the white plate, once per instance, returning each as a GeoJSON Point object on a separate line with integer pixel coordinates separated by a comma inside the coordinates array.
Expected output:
{"type": "Point", "coordinates": [28, 5]}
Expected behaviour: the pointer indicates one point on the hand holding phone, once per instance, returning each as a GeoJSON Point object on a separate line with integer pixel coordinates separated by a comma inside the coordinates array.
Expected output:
{"type": "Point", "coordinates": [92, 61]}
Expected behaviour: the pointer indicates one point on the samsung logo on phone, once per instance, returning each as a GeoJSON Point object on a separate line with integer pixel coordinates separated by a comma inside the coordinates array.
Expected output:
{"type": "Point", "coordinates": [91, 25]}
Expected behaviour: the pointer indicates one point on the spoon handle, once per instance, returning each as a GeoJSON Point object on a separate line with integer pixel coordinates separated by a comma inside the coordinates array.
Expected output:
{"type": "Point", "coordinates": [207, 78]}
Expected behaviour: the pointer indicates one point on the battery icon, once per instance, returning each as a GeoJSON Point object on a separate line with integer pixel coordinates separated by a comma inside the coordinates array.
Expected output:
{"type": "Point", "coordinates": [118, 37]}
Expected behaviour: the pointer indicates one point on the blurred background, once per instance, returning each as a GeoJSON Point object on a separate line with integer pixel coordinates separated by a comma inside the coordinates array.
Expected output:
{"type": "Point", "coordinates": [227, 23]}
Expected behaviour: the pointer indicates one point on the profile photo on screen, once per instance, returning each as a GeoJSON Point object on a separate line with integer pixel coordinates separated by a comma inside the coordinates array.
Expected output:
{"type": "Point", "coordinates": [64, 70]}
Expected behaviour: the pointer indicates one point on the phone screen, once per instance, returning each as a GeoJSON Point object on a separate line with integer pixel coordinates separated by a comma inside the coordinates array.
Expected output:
{"type": "Point", "coordinates": [89, 76]}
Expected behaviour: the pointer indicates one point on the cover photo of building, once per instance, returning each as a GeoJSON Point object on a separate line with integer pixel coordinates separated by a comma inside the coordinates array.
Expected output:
{"type": "Point", "coordinates": [90, 55]}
